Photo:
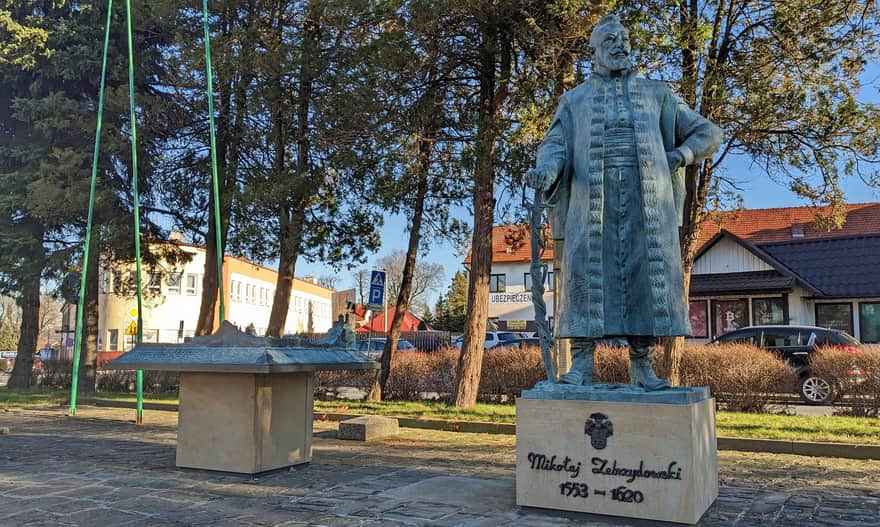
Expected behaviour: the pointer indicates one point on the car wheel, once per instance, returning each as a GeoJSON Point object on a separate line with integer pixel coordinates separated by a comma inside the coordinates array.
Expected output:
{"type": "Point", "coordinates": [816, 390]}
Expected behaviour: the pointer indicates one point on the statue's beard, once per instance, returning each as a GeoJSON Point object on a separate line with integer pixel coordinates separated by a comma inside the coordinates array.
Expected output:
{"type": "Point", "coordinates": [616, 63]}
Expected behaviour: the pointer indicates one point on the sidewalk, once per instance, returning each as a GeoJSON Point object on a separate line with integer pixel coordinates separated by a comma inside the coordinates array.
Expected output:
{"type": "Point", "coordinates": [100, 469]}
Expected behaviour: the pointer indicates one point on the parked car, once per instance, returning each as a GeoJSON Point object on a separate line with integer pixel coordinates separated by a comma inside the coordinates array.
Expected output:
{"type": "Point", "coordinates": [377, 345]}
{"type": "Point", "coordinates": [795, 344]}
{"type": "Point", "coordinates": [493, 338]}
{"type": "Point", "coordinates": [518, 343]}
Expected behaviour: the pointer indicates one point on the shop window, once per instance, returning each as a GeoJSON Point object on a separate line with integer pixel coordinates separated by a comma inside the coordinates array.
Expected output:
{"type": "Point", "coordinates": [497, 283]}
{"type": "Point", "coordinates": [729, 315]}
{"type": "Point", "coordinates": [835, 316]}
{"type": "Point", "coordinates": [869, 321]}
{"type": "Point", "coordinates": [769, 311]}
{"type": "Point", "coordinates": [699, 315]}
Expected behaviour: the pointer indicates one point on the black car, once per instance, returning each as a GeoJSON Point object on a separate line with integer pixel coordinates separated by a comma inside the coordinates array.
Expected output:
{"type": "Point", "coordinates": [794, 344]}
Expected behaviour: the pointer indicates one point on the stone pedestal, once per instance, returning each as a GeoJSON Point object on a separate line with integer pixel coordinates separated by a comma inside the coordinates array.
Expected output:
{"type": "Point", "coordinates": [610, 450]}
{"type": "Point", "coordinates": [246, 401]}
{"type": "Point", "coordinates": [244, 422]}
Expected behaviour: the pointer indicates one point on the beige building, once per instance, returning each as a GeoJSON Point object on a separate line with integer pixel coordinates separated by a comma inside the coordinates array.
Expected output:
{"type": "Point", "coordinates": [172, 295]}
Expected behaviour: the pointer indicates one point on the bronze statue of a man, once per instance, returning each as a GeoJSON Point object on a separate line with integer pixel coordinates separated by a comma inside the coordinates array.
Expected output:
{"type": "Point", "coordinates": [611, 169]}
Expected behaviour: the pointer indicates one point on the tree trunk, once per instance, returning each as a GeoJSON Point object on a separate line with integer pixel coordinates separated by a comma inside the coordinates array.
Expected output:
{"type": "Point", "coordinates": [290, 237]}
{"type": "Point", "coordinates": [211, 278]}
{"type": "Point", "coordinates": [292, 217]}
{"type": "Point", "coordinates": [30, 326]}
{"type": "Point", "coordinates": [88, 368]}
{"type": "Point", "coordinates": [406, 281]}
{"type": "Point", "coordinates": [495, 50]}
{"type": "Point", "coordinates": [229, 137]}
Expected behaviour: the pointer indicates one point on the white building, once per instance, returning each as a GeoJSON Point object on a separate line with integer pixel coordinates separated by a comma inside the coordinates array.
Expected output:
{"type": "Point", "coordinates": [172, 296]}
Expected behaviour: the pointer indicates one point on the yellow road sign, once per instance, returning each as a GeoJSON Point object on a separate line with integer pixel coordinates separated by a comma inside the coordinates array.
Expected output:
{"type": "Point", "coordinates": [132, 329]}
{"type": "Point", "coordinates": [133, 313]}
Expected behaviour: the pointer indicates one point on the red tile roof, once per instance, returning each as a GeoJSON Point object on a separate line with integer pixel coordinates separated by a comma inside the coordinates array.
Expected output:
{"type": "Point", "coordinates": [776, 225]}
{"type": "Point", "coordinates": [511, 243]}
{"type": "Point", "coordinates": [410, 322]}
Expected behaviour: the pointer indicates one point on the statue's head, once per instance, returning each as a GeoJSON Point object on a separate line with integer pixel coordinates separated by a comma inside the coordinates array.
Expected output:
{"type": "Point", "coordinates": [609, 45]}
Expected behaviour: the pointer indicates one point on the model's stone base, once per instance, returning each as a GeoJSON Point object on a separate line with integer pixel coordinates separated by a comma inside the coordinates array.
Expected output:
{"type": "Point", "coordinates": [244, 422]}
{"type": "Point", "coordinates": [638, 460]}
{"type": "Point", "coordinates": [368, 427]}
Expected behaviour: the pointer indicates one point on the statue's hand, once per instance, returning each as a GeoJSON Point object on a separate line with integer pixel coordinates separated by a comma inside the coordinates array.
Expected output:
{"type": "Point", "coordinates": [540, 178]}
{"type": "Point", "coordinates": [675, 159]}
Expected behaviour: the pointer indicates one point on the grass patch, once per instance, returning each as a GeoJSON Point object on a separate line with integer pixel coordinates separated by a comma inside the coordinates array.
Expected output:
{"type": "Point", "coordinates": [494, 413]}
{"type": "Point", "coordinates": [37, 397]}
{"type": "Point", "coordinates": [47, 397]}
{"type": "Point", "coordinates": [128, 397]}
{"type": "Point", "coordinates": [835, 429]}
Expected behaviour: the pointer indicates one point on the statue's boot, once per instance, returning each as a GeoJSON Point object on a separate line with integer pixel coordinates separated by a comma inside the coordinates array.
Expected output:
{"type": "Point", "coordinates": [581, 372]}
{"type": "Point", "coordinates": [641, 369]}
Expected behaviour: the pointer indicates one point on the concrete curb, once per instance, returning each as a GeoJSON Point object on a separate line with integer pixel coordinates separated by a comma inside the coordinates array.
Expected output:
{"type": "Point", "coordinates": [741, 444]}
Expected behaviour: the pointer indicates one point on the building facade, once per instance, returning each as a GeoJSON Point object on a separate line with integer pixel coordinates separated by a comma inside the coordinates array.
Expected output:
{"type": "Point", "coordinates": [760, 266]}
{"type": "Point", "coordinates": [172, 296]}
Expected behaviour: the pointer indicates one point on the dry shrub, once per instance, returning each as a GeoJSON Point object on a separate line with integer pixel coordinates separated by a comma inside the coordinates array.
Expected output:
{"type": "Point", "coordinates": [327, 380]}
{"type": "Point", "coordinates": [126, 381]}
{"type": "Point", "coordinates": [54, 373]}
{"type": "Point", "coordinates": [743, 377]}
{"type": "Point", "coordinates": [445, 365]}
{"type": "Point", "coordinates": [409, 376]}
{"type": "Point", "coordinates": [860, 393]}
{"type": "Point", "coordinates": [611, 365]}
{"type": "Point", "coordinates": [507, 372]}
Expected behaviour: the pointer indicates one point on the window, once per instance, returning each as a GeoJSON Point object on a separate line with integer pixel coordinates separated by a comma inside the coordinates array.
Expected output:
{"type": "Point", "coordinates": [117, 282]}
{"type": "Point", "coordinates": [154, 286]}
{"type": "Point", "coordinates": [747, 336]}
{"type": "Point", "coordinates": [769, 311]}
{"type": "Point", "coordinates": [869, 321]}
{"type": "Point", "coordinates": [173, 282]}
{"type": "Point", "coordinates": [497, 283]}
{"type": "Point", "coordinates": [783, 338]}
{"type": "Point", "coordinates": [191, 284]}
{"type": "Point", "coordinates": [527, 281]}
{"type": "Point", "coordinates": [112, 340]}
{"type": "Point", "coordinates": [105, 282]}
{"type": "Point", "coordinates": [729, 315]}
{"type": "Point", "coordinates": [835, 316]}
{"type": "Point", "coordinates": [699, 314]}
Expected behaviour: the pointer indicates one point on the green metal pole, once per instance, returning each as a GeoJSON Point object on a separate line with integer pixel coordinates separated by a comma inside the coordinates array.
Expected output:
{"type": "Point", "coordinates": [77, 346]}
{"type": "Point", "coordinates": [139, 412]}
{"type": "Point", "coordinates": [214, 180]}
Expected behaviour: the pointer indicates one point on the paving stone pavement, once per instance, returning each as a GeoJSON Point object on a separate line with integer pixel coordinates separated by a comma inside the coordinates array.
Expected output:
{"type": "Point", "coordinates": [100, 469]}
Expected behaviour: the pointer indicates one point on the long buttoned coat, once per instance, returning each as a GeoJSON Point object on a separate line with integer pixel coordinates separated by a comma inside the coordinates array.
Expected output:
{"type": "Point", "coordinates": [573, 148]}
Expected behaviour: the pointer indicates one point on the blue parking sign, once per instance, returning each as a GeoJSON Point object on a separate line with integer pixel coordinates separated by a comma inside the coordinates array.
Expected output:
{"type": "Point", "coordinates": [377, 290]}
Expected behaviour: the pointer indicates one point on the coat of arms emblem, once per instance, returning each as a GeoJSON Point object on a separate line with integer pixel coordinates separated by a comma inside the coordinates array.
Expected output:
{"type": "Point", "coordinates": [599, 428]}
